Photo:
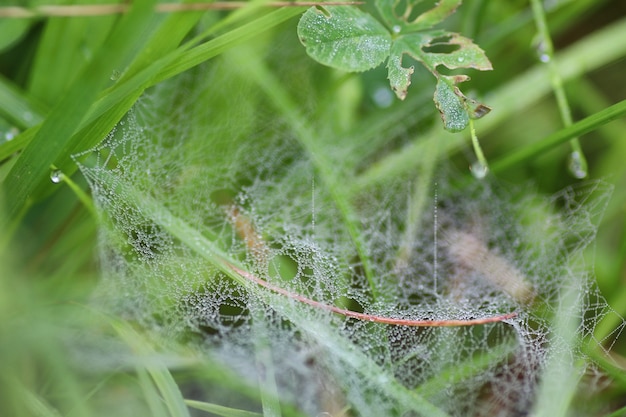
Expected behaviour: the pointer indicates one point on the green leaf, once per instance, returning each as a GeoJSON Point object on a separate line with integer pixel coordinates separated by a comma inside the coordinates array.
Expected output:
{"type": "Point", "coordinates": [344, 37]}
{"type": "Point", "coordinates": [450, 105]}
{"type": "Point", "coordinates": [12, 30]}
{"type": "Point", "coordinates": [399, 77]}
{"type": "Point", "coordinates": [352, 40]}
{"type": "Point", "coordinates": [400, 14]}
{"type": "Point", "coordinates": [432, 49]}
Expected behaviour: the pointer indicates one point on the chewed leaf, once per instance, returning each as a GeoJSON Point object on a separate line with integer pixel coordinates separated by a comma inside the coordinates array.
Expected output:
{"type": "Point", "coordinates": [344, 37]}
{"type": "Point", "coordinates": [349, 39]}
{"type": "Point", "coordinates": [399, 77]}
{"type": "Point", "coordinates": [426, 47]}
{"type": "Point", "coordinates": [432, 49]}
{"type": "Point", "coordinates": [451, 106]}
{"type": "Point", "coordinates": [410, 15]}
{"type": "Point", "coordinates": [467, 54]}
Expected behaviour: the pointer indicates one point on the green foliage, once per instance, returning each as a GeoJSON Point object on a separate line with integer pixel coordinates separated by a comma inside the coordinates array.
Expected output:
{"type": "Point", "coordinates": [66, 82]}
{"type": "Point", "coordinates": [352, 40]}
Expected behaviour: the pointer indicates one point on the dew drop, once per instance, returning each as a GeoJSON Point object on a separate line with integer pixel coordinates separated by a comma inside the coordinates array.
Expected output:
{"type": "Point", "coordinates": [541, 52]}
{"type": "Point", "coordinates": [479, 170]}
{"type": "Point", "coordinates": [115, 75]}
{"type": "Point", "coordinates": [56, 176]}
{"type": "Point", "coordinates": [396, 29]}
{"type": "Point", "coordinates": [460, 59]}
{"type": "Point", "coordinates": [11, 134]}
{"type": "Point", "coordinates": [382, 97]}
{"type": "Point", "coordinates": [577, 166]}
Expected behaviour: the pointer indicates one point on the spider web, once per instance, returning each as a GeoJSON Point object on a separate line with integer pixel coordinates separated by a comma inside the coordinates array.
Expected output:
{"type": "Point", "coordinates": [185, 187]}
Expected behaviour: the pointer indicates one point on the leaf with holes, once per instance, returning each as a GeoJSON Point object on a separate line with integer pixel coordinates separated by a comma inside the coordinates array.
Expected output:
{"type": "Point", "coordinates": [349, 39]}
{"type": "Point", "coordinates": [432, 49]}
{"type": "Point", "coordinates": [413, 15]}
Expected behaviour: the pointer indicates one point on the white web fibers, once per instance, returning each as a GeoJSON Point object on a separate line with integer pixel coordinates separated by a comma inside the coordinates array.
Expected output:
{"type": "Point", "coordinates": [187, 189]}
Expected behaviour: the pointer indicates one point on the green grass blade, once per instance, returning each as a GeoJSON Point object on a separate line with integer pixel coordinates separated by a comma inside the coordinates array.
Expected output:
{"type": "Point", "coordinates": [18, 107]}
{"type": "Point", "coordinates": [577, 129]}
{"type": "Point", "coordinates": [559, 380]}
{"type": "Point", "coordinates": [458, 373]}
{"type": "Point", "coordinates": [212, 48]}
{"type": "Point", "coordinates": [64, 51]}
{"type": "Point", "coordinates": [54, 137]}
{"type": "Point", "coordinates": [170, 65]}
{"type": "Point", "coordinates": [158, 371]}
{"type": "Point", "coordinates": [221, 410]}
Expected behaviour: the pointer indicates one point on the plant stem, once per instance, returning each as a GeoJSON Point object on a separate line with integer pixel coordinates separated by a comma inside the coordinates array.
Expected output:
{"type": "Point", "coordinates": [75, 10]}
{"type": "Point", "coordinates": [578, 163]}
{"type": "Point", "coordinates": [369, 317]}
{"type": "Point", "coordinates": [480, 168]}
{"type": "Point", "coordinates": [58, 176]}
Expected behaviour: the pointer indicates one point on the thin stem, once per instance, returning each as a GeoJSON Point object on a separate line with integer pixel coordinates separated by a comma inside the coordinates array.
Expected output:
{"type": "Point", "coordinates": [58, 176]}
{"type": "Point", "coordinates": [17, 12]}
{"type": "Point", "coordinates": [370, 317]}
{"type": "Point", "coordinates": [480, 168]}
{"type": "Point", "coordinates": [578, 163]}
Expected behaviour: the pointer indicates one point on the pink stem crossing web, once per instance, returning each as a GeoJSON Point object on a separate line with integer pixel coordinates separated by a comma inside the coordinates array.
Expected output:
{"type": "Point", "coordinates": [371, 317]}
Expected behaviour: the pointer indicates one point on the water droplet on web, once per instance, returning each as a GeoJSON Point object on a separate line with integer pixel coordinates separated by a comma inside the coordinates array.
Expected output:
{"type": "Point", "coordinates": [460, 59]}
{"type": "Point", "coordinates": [56, 176]}
{"type": "Point", "coordinates": [577, 165]}
{"type": "Point", "coordinates": [479, 170]}
{"type": "Point", "coordinates": [396, 29]}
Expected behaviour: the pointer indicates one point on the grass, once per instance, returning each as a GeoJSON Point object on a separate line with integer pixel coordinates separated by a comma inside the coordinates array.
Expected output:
{"type": "Point", "coordinates": [64, 88]}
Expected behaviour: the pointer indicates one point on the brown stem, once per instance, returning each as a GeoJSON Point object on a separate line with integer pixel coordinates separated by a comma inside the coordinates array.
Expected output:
{"type": "Point", "coordinates": [371, 317]}
{"type": "Point", "coordinates": [108, 9]}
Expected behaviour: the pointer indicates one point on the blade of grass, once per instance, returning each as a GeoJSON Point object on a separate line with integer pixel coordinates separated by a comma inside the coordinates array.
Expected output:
{"type": "Point", "coordinates": [560, 377]}
{"type": "Point", "coordinates": [461, 372]}
{"type": "Point", "coordinates": [221, 410]}
{"type": "Point", "coordinates": [172, 64]}
{"type": "Point", "coordinates": [17, 12]}
{"type": "Point", "coordinates": [618, 413]}
{"type": "Point", "coordinates": [35, 404]}
{"type": "Point", "coordinates": [53, 138]}
{"type": "Point", "coordinates": [159, 373]}
{"type": "Point", "coordinates": [64, 51]}
{"type": "Point", "coordinates": [265, 370]}
{"type": "Point", "coordinates": [586, 125]}
{"type": "Point", "coordinates": [18, 107]}
{"type": "Point", "coordinates": [578, 162]}
{"type": "Point", "coordinates": [208, 50]}
{"type": "Point", "coordinates": [150, 393]}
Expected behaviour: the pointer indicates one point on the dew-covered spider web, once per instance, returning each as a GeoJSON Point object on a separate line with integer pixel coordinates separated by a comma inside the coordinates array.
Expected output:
{"type": "Point", "coordinates": [218, 230]}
